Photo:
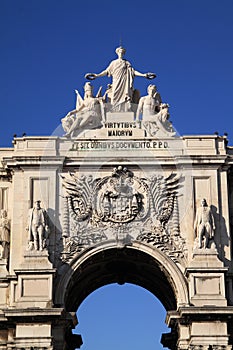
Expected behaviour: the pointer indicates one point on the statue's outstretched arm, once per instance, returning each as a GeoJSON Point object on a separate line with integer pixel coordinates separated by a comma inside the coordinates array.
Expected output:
{"type": "Point", "coordinates": [145, 75]}
{"type": "Point", "coordinates": [101, 74]}
{"type": "Point", "coordinates": [92, 76]}
{"type": "Point", "coordinates": [138, 74]}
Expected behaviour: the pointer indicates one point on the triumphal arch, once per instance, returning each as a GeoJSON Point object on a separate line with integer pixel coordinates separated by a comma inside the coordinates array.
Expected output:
{"type": "Point", "coordinates": [117, 197]}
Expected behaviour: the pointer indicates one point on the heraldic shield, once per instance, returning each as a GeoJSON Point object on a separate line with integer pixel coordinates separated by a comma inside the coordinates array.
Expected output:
{"type": "Point", "coordinates": [119, 200]}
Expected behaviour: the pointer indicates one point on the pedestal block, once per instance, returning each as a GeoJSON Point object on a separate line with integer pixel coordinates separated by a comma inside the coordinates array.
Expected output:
{"type": "Point", "coordinates": [206, 275]}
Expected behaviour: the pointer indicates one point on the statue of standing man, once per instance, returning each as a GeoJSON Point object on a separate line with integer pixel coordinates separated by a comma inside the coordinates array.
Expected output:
{"type": "Point", "coordinates": [122, 73]}
{"type": "Point", "coordinates": [37, 227]}
{"type": "Point", "coordinates": [204, 224]}
{"type": "Point", "coordinates": [4, 235]}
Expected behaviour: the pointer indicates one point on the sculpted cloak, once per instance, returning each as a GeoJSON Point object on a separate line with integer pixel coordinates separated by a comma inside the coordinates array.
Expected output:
{"type": "Point", "coordinates": [122, 75]}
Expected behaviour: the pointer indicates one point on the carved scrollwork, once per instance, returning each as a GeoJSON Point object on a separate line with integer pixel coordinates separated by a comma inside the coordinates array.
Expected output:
{"type": "Point", "coordinates": [122, 207]}
{"type": "Point", "coordinates": [76, 244]}
{"type": "Point", "coordinates": [78, 190]}
{"type": "Point", "coordinates": [166, 241]}
{"type": "Point", "coordinates": [163, 193]}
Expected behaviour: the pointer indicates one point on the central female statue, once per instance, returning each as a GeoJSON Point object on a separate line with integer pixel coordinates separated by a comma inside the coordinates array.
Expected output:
{"type": "Point", "coordinates": [122, 74]}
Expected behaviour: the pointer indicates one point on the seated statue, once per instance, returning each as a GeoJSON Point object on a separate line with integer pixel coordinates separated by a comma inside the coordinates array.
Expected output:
{"type": "Point", "coordinates": [149, 105]}
{"type": "Point", "coordinates": [155, 114]}
{"type": "Point", "coordinates": [87, 115]}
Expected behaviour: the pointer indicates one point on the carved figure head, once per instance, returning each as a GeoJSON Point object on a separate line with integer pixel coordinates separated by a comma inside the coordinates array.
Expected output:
{"type": "Point", "coordinates": [120, 51]}
{"type": "Point", "coordinates": [204, 203]}
{"type": "Point", "coordinates": [37, 204]}
{"type": "Point", "coordinates": [151, 89]}
{"type": "Point", "coordinates": [3, 213]}
{"type": "Point", "coordinates": [88, 87]}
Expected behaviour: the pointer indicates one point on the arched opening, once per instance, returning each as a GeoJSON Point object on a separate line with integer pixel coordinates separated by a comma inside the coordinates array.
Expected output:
{"type": "Point", "coordinates": [119, 266]}
{"type": "Point", "coordinates": [121, 317]}
{"type": "Point", "coordinates": [137, 264]}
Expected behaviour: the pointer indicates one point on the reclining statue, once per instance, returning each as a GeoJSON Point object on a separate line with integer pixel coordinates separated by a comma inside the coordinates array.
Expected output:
{"type": "Point", "coordinates": [87, 115]}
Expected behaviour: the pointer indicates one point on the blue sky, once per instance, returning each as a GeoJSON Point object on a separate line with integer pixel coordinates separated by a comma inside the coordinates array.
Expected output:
{"type": "Point", "coordinates": [121, 317]}
{"type": "Point", "coordinates": [47, 46]}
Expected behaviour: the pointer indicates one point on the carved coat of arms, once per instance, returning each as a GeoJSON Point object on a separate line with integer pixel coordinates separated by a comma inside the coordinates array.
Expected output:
{"type": "Point", "coordinates": [119, 198]}
{"type": "Point", "coordinates": [121, 205]}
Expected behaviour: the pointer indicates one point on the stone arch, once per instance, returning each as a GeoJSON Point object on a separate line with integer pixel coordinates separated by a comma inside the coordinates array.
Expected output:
{"type": "Point", "coordinates": [137, 263]}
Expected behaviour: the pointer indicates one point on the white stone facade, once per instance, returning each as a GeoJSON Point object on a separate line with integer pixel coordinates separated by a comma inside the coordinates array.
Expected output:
{"type": "Point", "coordinates": [121, 207]}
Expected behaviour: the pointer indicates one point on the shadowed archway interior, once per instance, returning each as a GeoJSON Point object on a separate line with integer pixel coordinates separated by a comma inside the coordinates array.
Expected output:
{"type": "Point", "coordinates": [119, 265]}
